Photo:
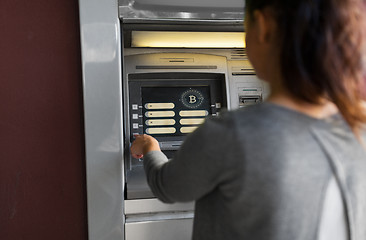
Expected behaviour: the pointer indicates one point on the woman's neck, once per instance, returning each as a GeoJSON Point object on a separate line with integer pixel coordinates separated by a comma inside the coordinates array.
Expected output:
{"type": "Point", "coordinates": [320, 111]}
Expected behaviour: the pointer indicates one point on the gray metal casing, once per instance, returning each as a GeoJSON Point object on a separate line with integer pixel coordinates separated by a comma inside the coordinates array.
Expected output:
{"type": "Point", "coordinates": [230, 11]}
{"type": "Point", "coordinates": [108, 212]}
{"type": "Point", "coordinates": [101, 66]}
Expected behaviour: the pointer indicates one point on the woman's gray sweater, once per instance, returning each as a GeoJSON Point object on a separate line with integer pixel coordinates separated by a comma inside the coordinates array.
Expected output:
{"type": "Point", "coordinates": [261, 173]}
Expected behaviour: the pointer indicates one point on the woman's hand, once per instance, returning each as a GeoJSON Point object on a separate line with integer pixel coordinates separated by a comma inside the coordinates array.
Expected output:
{"type": "Point", "coordinates": [142, 145]}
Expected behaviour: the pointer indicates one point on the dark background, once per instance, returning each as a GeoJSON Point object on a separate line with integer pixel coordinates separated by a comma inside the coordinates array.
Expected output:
{"type": "Point", "coordinates": [42, 159]}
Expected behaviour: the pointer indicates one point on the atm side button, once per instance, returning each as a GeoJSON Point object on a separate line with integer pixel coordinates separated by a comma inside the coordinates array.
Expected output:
{"type": "Point", "coordinates": [134, 106]}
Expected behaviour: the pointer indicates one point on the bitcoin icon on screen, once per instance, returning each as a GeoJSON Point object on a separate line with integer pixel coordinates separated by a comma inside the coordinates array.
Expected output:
{"type": "Point", "coordinates": [192, 98]}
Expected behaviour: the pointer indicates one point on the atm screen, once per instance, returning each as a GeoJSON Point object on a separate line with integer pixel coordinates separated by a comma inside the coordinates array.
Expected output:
{"type": "Point", "coordinates": [169, 106]}
{"type": "Point", "coordinates": [174, 110]}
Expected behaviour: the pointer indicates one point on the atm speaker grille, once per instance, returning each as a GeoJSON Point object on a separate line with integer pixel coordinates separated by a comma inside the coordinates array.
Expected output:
{"type": "Point", "coordinates": [238, 54]}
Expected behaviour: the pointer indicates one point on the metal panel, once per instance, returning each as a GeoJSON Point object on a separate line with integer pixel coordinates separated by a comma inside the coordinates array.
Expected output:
{"type": "Point", "coordinates": [179, 229]}
{"type": "Point", "coordinates": [154, 205]}
{"type": "Point", "coordinates": [101, 60]}
{"type": "Point", "coordinates": [242, 76]}
{"type": "Point", "coordinates": [177, 10]}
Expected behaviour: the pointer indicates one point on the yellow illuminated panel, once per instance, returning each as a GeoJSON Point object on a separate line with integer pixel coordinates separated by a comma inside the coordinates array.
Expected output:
{"type": "Point", "coordinates": [160, 122]}
{"type": "Point", "coordinates": [191, 121]}
{"type": "Point", "coordinates": [153, 114]}
{"type": "Point", "coordinates": [168, 39]}
{"type": "Point", "coordinates": [168, 130]}
{"type": "Point", "coordinates": [187, 129]}
{"type": "Point", "coordinates": [193, 113]}
{"type": "Point", "coordinates": [159, 105]}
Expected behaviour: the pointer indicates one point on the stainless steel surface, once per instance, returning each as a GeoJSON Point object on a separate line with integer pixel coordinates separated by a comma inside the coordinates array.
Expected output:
{"type": "Point", "coordinates": [177, 229]}
{"type": "Point", "coordinates": [242, 77]}
{"type": "Point", "coordinates": [155, 62]}
{"type": "Point", "coordinates": [230, 54]}
{"type": "Point", "coordinates": [160, 216]}
{"type": "Point", "coordinates": [137, 186]}
{"type": "Point", "coordinates": [231, 11]}
{"type": "Point", "coordinates": [133, 207]}
{"type": "Point", "coordinates": [101, 62]}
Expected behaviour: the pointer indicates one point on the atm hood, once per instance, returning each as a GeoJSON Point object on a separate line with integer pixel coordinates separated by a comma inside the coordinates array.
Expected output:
{"type": "Point", "coordinates": [186, 12]}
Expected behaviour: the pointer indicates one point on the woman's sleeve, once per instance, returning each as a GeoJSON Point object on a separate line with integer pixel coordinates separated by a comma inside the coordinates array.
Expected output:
{"type": "Point", "coordinates": [197, 168]}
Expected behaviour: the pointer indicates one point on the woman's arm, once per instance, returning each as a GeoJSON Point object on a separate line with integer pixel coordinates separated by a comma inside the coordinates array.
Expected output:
{"type": "Point", "coordinates": [196, 169]}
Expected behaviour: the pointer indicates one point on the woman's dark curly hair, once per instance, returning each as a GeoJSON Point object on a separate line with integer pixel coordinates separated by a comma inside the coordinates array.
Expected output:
{"type": "Point", "coordinates": [323, 51]}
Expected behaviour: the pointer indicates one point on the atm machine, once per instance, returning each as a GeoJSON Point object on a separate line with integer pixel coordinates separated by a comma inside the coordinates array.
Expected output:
{"type": "Point", "coordinates": [140, 77]}
{"type": "Point", "coordinates": [168, 93]}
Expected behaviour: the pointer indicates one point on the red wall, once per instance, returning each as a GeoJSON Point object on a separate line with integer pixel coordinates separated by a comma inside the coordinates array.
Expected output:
{"type": "Point", "coordinates": [42, 161]}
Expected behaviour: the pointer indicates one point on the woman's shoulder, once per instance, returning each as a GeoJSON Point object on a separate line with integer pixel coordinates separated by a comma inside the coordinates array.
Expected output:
{"type": "Point", "coordinates": [265, 117]}
{"type": "Point", "coordinates": [258, 114]}
{"type": "Point", "coordinates": [249, 118]}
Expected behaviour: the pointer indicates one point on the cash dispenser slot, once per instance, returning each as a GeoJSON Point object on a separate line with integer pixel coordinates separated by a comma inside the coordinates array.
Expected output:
{"type": "Point", "coordinates": [249, 96]}
{"type": "Point", "coordinates": [248, 100]}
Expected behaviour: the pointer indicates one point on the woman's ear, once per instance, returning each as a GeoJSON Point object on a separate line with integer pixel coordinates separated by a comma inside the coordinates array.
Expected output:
{"type": "Point", "coordinates": [264, 24]}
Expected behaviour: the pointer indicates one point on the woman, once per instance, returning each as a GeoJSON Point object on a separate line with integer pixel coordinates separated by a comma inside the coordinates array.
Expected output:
{"type": "Point", "coordinates": [293, 167]}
